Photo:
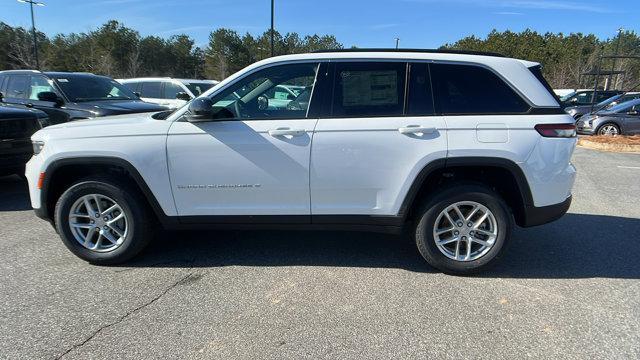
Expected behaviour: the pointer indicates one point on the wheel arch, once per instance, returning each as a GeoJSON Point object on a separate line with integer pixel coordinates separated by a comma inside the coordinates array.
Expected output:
{"type": "Point", "coordinates": [63, 172]}
{"type": "Point", "coordinates": [503, 175]}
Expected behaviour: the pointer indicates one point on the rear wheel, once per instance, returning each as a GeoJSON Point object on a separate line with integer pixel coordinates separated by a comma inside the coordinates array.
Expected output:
{"type": "Point", "coordinates": [103, 221]}
{"type": "Point", "coordinates": [463, 229]}
{"type": "Point", "coordinates": [609, 129]}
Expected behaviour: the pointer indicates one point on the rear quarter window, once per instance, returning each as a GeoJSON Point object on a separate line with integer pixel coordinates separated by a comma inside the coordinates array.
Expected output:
{"type": "Point", "coordinates": [468, 89]}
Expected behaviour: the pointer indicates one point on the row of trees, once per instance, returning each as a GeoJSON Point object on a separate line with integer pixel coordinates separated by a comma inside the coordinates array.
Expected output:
{"type": "Point", "coordinates": [565, 58]}
{"type": "Point", "coordinates": [119, 51]}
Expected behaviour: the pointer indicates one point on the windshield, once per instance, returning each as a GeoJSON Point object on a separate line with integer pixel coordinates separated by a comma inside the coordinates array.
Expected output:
{"type": "Point", "coordinates": [568, 96]}
{"type": "Point", "coordinates": [80, 88]}
{"type": "Point", "coordinates": [197, 88]}
{"type": "Point", "coordinates": [608, 101]}
{"type": "Point", "coordinates": [624, 106]}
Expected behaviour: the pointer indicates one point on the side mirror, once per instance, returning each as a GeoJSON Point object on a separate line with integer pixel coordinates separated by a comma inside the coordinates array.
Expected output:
{"type": "Point", "coordinates": [183, 96]}
{"type": "Point", "coordinates": [136, 94]}
{"type": "Point", "coordinates": [50, 96]}
{"type": "Point", "coordinates": [1, 97]}
{"type": "Point", "coordinates": [574, 101]}
{"type": "Point", "coordinates": [200, 109]}
{"type": "Point", "coordinates": [632, 112]}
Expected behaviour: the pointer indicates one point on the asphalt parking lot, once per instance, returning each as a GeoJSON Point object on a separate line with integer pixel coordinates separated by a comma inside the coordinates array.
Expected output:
{"type": "Point", "coordinates": [570, 289]}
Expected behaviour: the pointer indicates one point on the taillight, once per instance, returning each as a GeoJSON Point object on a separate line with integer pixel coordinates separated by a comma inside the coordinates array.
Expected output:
{"type": "Point", "coordinates": [557, 130]}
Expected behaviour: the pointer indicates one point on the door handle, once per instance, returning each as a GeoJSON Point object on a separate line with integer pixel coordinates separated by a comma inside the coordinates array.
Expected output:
{"type": "Point", "coordinates": [286, 132]}
{"type": "Point", "coordinates": [416, 129]}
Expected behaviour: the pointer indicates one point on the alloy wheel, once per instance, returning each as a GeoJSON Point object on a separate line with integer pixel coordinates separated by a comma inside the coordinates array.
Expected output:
{"type": "Point", "coordinates": [465, 231]}
{"type": "Point", "coordinates": [98, 223]}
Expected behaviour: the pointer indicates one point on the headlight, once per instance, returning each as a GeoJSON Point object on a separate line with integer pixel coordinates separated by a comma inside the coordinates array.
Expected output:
{"type": "Point", "coordinates": [37, 147]}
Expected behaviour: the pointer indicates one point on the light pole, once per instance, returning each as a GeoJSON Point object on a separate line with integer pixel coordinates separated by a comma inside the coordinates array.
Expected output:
{"type": "Point", "coordinates": [272, 11]}
{"type": "Point", "coordinates": [397, 42]}
{"type": "Point", "coordinates": [613, 63]}
{"type": "Point", "coordinates": [33, 28]}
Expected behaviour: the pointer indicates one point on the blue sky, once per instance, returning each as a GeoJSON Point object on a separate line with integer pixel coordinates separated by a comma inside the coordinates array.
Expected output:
{"type": "Point", "coordinates": [364, 23]}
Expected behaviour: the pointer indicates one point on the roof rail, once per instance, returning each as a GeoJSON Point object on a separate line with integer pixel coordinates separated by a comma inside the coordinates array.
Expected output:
{"type": "Point", "coordinates": [434, 51]}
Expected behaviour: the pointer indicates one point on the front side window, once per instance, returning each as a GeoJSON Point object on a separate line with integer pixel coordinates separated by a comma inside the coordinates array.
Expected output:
{"type": "Point", "coordinates": [466, 89]}
{"type": "Point", "coordinates": [17, 86]}
{"type": "Point", "coordinates": [171, 90]}
{"type": "Point", "coordinates": [79, 88]}
{"type": "Point", "coordinates": [584, 98]}
{"type": "Point", "coordinates": [151, 89]}
{"type": "Point", "coordinates": [368, 89]}
{"type": "Point", "coordinates": [252, 96]}
{"type": "Point", "coordinates": [39, 84]}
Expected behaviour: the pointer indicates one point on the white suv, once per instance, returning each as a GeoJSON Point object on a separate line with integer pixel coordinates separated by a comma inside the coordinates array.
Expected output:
{"type": "Point", "coordinates": [455, 147]}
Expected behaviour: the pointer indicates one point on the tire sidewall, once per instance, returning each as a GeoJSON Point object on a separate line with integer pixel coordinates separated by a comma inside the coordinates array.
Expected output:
{"type": "Point", "coordinates": [63, 207]}
{"type": "Point", "coordinates": [425, 225]}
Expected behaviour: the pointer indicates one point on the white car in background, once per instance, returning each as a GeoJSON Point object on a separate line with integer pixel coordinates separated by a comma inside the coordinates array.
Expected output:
{"type": "Point", "coordinates": [168, 91]}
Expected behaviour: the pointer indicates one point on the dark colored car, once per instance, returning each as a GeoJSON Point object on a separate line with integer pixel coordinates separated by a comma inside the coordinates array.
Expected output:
{"type": "Point", "coordinates": [622, 119]}
{"type": "Point", "coordinates": [71, 96]}
{"type": "Point", "coordinates": [16, 127]}
{"type": "Point", "coordinates": [579, 110]}
{"type": "Point", "coordinates": [587, 97]}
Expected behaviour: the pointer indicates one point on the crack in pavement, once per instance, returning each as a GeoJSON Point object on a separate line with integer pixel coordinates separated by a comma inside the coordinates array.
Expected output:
{"type": "Point", "coordinates": [126, 315]}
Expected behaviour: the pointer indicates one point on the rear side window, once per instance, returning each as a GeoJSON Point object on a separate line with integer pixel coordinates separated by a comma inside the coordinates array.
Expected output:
{"type": "Point", "coordinates": [368, 89]}
{"type": "Point", "coordinates": [537, 72]}
{"type": "Point", "coordinates": [151, 89]}
{"type": "Point", "coordinates": [419, 97]}
{"type": "Point", "coordinates": [466, 89]}
{"type": "Point", "coordinates": [17, 86]}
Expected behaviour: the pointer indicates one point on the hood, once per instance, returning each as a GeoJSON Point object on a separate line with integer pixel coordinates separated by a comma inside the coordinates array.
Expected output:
{"type": "Point", "coordinates": [116, 107]}
{"type": "Point", "coordinates": [121, 126]}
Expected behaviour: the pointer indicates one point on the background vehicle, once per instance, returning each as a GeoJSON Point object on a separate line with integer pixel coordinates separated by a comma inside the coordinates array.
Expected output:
{"type": "Point", "coordinates": [454, 147]}
{"type": "Point", "coordinates": [16, 127]}
{"type": "Point", "coordinates": [586, 97]}
{"type": "Point", "coordinates": [579, 110]}
{"type": "Point", "coordinates": [622, 119]}
{"type": "Point", "coordinates": [169, 92]}
{"type": "Point", "coordinates": [70, 96]}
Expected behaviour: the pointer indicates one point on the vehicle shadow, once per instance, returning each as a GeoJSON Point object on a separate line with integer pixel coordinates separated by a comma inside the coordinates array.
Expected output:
{"type": "Point", "coordinates": [576, 246]}
{"type": "Point", "coordinates": [14, 194]}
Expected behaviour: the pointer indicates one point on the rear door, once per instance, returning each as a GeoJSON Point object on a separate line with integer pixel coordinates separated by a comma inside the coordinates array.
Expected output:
{"type": "Point", "coordinates": [16, 89]}
{"type": "Point", "coordinates": [375, 135]}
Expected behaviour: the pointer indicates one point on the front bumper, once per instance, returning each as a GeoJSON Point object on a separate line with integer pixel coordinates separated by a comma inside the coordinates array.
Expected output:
{"type": "Point", "coordinates": [545, 214]}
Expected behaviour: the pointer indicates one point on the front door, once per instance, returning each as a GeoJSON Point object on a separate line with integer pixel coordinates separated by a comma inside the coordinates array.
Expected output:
{"type": "Point", "coordinates": [252, 159]}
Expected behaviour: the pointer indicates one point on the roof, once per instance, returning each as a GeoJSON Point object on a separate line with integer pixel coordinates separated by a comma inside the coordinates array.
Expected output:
{"type": "Point", "coordinates": [427, 51]}
{"type": "Point", "coordinates": [159, 78]}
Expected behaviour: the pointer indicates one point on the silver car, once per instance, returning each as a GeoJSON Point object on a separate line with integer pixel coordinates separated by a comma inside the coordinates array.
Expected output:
{"type": "Point", "coordinates": [622, 119]}
{"type": "Point", "coordinates": [578, 110]}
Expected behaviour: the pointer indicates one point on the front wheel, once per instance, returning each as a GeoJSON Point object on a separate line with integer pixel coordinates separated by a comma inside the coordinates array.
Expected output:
{"type": "Point", "coordinates": [609, 129]}
{"type": "Point", "coordinates": [103, 221]}
{"type": "Point", "coordinates": [463, 230]}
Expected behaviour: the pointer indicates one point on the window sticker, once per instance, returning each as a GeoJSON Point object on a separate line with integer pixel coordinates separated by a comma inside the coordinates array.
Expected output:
{"type": "Point", "coordinates": [369, 88]}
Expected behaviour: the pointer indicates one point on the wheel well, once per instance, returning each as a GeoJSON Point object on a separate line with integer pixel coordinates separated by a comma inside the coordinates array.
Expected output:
{"type": "Point", "coordinates": [499, 179]}
{"type": "Point", "coordinates": [65, 175]}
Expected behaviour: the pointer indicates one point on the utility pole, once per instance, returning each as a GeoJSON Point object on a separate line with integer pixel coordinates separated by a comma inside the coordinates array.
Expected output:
{"type": "Point", "coordinates": [33, 29]}
{"type": "Point", "coordinates": [397, 42]}
{"type": "Point", "coordinates": [613, 63]}
{"type": "Point", "coordinates": [272, 12]}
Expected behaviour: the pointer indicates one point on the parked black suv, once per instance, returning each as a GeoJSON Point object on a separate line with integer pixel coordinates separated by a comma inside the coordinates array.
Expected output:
{"type": "Point", "coordinates": [68, 96]}
{"type": "Point", "coordinates": [16, 127]}
{"type": "Point", "coordinates": [587, 97]}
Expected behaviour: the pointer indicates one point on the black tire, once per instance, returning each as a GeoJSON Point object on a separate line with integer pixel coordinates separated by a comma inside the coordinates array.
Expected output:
{"type": "Point", "coordinates": [140, 221]}
{"type": "Point", "coordinates": [427, 216]}
{"type": "Point", "coordinates": [609, 124]}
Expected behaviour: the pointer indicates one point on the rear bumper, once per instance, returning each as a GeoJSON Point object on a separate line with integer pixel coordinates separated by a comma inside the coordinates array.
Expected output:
{"type": "Point", "coordinates": [545, 214]}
